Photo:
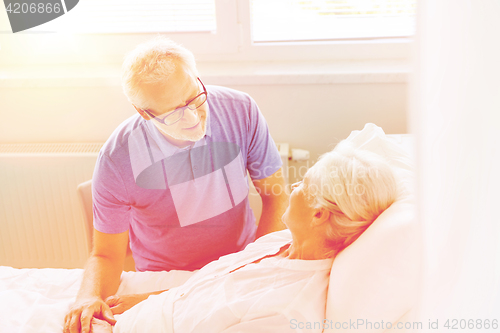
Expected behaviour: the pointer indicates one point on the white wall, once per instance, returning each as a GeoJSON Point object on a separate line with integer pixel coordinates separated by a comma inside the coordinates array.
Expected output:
{"type": "Point", "coordinates": [455, 113]}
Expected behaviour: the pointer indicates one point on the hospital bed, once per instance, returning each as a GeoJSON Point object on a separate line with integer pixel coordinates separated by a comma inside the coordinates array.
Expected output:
{"type": "Point", "coordinates": [373, 283]}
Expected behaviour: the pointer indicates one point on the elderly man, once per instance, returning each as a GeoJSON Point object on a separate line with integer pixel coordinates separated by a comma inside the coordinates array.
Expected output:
{"type": "Point", "coordinates": [172, 180]}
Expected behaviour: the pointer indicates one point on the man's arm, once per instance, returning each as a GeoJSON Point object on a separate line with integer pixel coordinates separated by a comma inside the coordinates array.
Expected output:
{"type": "Point", "coordinates": [100, 280]}
{"type": "Point", "coordinates": [274, 202]}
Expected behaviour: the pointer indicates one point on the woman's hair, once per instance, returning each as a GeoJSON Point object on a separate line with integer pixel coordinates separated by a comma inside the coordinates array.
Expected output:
{"type": "Point", "coordinates": [152, 62]}
{"type": "Point", "coordinates": [356, 186]}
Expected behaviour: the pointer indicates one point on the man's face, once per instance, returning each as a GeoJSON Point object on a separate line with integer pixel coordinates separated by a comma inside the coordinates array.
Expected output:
{"type": "Point", "coordinates": [175, 92]}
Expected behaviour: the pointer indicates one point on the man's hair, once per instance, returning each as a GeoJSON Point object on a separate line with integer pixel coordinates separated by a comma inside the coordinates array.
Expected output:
{"type": "Point", "coordinates": [152, 62]}
{"type": "Point", "coordinates": [356, 186]}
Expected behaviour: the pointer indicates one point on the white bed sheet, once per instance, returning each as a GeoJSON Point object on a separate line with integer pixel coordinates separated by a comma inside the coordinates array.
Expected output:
{"type": "Point", "coordinates": [36, 300]}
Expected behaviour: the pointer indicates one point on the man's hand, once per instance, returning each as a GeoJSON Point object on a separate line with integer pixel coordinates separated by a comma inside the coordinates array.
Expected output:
{"type": "Point", "coordinates": [101, 278]}
{"type": "Point", "coordinates": [81, 313]}
{"type": "Point", "coordinates": [274, 203]}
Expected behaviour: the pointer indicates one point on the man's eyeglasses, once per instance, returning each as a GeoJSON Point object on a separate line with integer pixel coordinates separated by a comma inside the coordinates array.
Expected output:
{"type": "Point", "coordinates": [174, 116]}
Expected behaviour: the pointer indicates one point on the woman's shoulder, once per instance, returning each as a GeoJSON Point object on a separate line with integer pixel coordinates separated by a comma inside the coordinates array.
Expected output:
{"type": "Point", "coordinates": [276, 237]}
{"type": "Point", "coordinates": [267, 244]}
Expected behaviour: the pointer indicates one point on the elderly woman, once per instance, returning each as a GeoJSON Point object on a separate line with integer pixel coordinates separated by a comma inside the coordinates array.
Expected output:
{"type": "Point", "coordinates": [282, 277]}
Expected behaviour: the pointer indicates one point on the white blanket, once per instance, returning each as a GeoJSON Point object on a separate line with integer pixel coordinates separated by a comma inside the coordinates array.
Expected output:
{"type": "Point", "coordinates": [233, 294]}
{"type": "Point", "coordinates": [36, 300]}
{"type": "Point", "coordinates": [152, 315]}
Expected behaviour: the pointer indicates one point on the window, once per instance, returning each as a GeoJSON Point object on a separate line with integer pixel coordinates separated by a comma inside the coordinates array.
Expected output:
{"type": "Point", "coordinates": [85, 35]}
{"type": "Point", "coordinates": [132, 16]}
{"type": "Point", "coordinates": [309, 20]}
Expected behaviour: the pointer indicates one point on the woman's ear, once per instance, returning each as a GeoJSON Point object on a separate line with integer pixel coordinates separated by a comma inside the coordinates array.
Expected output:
{"type": "Point", "coordinates": [321, 215]}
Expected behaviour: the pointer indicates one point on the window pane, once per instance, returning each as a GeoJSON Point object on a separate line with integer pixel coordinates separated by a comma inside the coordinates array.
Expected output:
{"type": "Point", "coordinates": [129, 16]}
{"type": "Point", "coordinates": [304, 20]}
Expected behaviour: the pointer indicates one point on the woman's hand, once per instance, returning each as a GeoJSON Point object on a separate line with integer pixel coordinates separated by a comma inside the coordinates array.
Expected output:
{"type": "Point", "coordinates": [100, 326]}
{"type": "Point", "coordinates": [121, 303]}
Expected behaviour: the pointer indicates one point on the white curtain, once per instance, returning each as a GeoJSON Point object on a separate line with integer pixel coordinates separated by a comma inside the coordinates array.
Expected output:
{"type": "Point", "coordinates": [455, 115]}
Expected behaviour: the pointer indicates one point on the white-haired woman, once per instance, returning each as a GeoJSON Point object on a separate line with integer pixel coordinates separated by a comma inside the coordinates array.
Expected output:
{"type": "Point", "coordinates": [277, 283]}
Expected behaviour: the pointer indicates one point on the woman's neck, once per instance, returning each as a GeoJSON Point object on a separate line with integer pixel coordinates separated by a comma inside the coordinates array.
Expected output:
{"type": "Point", "coordinates": [307, 250]}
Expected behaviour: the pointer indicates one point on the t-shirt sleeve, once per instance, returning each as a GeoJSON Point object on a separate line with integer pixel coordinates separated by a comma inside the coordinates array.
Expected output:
{"type": "Point", "coordinates": [109, 196]}
{"type": "Point", "coordinates": [263, 157]}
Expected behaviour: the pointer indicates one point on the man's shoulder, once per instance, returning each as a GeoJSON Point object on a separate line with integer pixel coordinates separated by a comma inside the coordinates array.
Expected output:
{"type": "Point", "coordinates": [230, 106]}
{"type": "Point", "coordinates": [117, 143]}
{"type": "Point", "coordinates": [224, 94]}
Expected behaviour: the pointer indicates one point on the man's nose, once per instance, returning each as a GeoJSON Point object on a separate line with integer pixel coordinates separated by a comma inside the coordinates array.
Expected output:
{"type": "Point", "coordinates": [191, 116]}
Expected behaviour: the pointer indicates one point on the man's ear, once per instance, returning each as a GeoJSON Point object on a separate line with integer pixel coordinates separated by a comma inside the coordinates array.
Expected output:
{"type": "Point", "coordinates": [321, 215]}
{"type": "Point", "coordinates": [142, 113]}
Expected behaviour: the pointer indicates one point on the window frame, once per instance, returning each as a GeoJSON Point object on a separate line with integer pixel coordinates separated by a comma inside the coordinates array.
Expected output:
{"type": "Point", "coordinates": [231, 42]}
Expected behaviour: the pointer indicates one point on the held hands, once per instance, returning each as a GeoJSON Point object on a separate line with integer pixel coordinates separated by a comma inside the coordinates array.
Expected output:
{"type": "Point", "coordinates": [81, 313]}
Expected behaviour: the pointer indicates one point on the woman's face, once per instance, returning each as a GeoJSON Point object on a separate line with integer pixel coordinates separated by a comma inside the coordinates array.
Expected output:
{"type": "Point", "coordinates": [299, 212]}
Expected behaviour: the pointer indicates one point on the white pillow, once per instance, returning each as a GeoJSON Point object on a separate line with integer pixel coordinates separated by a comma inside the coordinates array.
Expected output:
{"type": "Point", "coordinates": [376, 278]}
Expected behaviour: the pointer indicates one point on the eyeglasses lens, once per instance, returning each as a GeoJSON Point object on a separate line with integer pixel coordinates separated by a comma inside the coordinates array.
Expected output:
{"type": "Point", "coordinates": [174, 116]}
{"type": "Point", "coordinates": [197, 102]}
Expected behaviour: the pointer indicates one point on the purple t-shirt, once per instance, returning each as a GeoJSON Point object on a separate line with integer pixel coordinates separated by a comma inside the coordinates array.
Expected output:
{"type": "Point", "coordinates": [184, 207]}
